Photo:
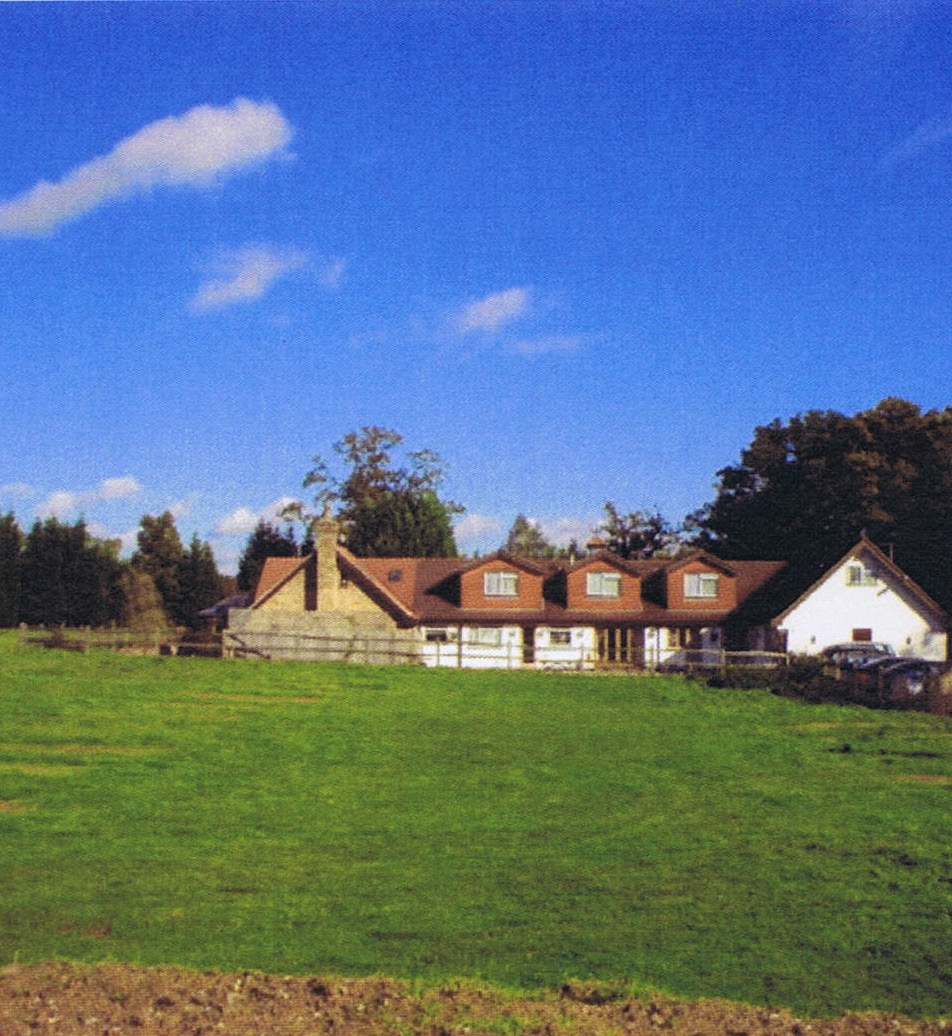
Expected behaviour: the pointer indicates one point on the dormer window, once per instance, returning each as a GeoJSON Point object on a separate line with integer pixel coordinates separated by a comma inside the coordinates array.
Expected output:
{"type": "Point", "coordinates": [501, 584]}
{"type": "Point", "coordinates": [701, 585]}
{"type": "Point", "coordinates": [602, 584]}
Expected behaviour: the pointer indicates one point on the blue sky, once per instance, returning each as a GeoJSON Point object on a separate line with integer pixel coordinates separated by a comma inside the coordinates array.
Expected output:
{"type": "Point", "coordinates": [581, 250]}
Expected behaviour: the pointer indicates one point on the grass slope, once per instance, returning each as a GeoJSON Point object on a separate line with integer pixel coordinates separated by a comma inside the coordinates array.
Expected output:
{"type": "Point", "coordinates": [514, 828]}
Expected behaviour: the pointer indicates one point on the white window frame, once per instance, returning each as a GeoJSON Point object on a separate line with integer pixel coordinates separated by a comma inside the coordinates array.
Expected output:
{"type": "Point", "coordinates": [702, 586]}
{"type": "Point", "coordinates": [603, 584]}
{"type": "Point", "coordinates": [560, 638]}
{"type": "Point", "coordinates": [859, 575]}
{"type": "Point", "coordinates": [501, 584]}
{"type": "Point", "coordinates": [486, 636]}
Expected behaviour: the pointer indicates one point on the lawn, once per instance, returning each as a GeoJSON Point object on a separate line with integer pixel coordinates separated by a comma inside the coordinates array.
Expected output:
{"type": "Point", "coordinates": [520, 829]}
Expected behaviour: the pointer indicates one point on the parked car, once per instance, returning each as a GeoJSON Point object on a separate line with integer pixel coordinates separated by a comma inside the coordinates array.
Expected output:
{"type": "Point", "coordinates": [906, 679]}
{"type": "Point", "coordinates": [856, 655]}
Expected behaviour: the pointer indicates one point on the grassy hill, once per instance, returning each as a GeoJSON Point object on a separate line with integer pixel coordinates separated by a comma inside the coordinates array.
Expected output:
{"type": "Point", "coordinates": [521, 829]}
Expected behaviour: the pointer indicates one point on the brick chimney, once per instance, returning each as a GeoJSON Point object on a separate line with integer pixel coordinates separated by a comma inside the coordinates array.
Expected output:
{"type": "Point", "coordinates": [328, 578]}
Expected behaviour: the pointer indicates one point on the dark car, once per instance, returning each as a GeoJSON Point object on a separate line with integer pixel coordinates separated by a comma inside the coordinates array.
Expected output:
{"type": "Point", "coordinates": [856, 655]}
{"type": "Point", "coordinates": [907, 679]}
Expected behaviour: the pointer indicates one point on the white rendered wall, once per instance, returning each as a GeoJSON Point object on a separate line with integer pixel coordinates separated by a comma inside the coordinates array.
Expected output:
{"type": "Point", "coordinates": [834, 609]}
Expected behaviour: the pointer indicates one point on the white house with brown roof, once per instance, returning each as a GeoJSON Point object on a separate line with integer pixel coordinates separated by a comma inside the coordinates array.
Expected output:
{"type": "Point", "coordinates": [499, 611]}
{"type": "Point", "coordinates": [865, 596]}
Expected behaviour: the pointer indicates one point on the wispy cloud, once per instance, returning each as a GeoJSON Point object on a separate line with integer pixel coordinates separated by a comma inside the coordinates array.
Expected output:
{"type": "Point", "coordinates": [332, 273]}
{"type": "Point", "coordinates": [493, 312]}
{"type": "Point", "coordinates": [64, 502]}
{"type": "Point", "coordinates": [245, 275]}
{"type": "Point", "coordinates": [196, 149]}
{"type": "Point", "coordinates": [20, 490]}
{"type": "Point", "coordinates": [473, 526]}
{"type": "Point", "coordinates": [925, 136]}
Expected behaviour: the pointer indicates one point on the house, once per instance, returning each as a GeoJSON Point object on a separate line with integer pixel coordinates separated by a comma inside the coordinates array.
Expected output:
{"type": "Point", "coordinates": [864, 597]}
{"type": "Point", "coordinates": [498, 611]}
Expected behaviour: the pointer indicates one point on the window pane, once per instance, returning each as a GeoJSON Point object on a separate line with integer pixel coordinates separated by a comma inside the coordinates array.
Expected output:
{"type": "Point", "coordinates": [500, 584]}
{"type": "Point", "coordinates": [603, 584]}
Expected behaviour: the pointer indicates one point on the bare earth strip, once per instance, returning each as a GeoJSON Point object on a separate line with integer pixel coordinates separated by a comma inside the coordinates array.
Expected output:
{"type": "Point", "coordinates": [116, 999]}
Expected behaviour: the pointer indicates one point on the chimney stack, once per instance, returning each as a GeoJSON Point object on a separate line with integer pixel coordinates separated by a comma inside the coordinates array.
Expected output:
{"type": "Point", "coordinates": [328, 579]}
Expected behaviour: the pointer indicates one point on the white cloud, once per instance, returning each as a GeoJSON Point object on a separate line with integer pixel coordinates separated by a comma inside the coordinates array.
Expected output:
{"type": "Point", "coordinates": [546, 344]}
{"type": "Point", "coordinates": [67, 501]}
{"type": "Point", "coordinates": [239, 523]}
{"type": "Point", "coordinates": [244, 275]}
{"type": "Point", "coordinates": [118, 488]}
{"type": "Point", "coordinates": [244, 521]}
{"type": "Point", "coordinates": [197, 149]}
{"type": "Point", "coordinates": [59, 504]}
{"type": "Point", "coordinates": [473, 526]}
{"type": "Point", "coordinates": [561, 531]}
{"type": "Point", "coordinates": [493, 312]}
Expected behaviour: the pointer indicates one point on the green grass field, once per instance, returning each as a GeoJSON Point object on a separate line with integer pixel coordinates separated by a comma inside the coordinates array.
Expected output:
{"type": "Point", "coordinates": [519, 829]}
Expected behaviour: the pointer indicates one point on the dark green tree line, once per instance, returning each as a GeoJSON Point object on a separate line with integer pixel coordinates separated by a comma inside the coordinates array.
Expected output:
{"type": "Point", "coordinates": [60, 575]}
{"type": "Point", "coordinates": [806, 490]}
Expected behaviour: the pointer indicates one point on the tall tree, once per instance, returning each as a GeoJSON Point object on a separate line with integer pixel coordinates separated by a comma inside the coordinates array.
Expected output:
{"type": "Point", "coordinates": [386, 509]}
{"type": "Point", "coordinates": [639, 534]}
{"type": "Point", "coordinates": [267, 541]}
{"type": "Point", "coordinates": [526, 539]}
{"type": "Point", "coordinates": [160, 554]}
{"type": "Point", "coordinates": [11, 545]}
{"type": "Point", "coordinates": [806, 490]}
{"type": "Point", "coordinates": [199, 582]}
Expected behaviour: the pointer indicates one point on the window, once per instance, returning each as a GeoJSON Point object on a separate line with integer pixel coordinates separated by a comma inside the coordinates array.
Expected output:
{"type": "Point", "coordinates": [603, 584]}
{"type": "Point", "coordinates": [501, 584]}
{"type": "Point", "coordinates": [557, 637]}
{"type": "Point", "coordinates": [859, 575]}
{"type": "Point", "coordinates": [487, 636]}
{"type": "Point", "coordinates": [439, 635]}
{"type": "Point", "coordinates": [395, 575]}
{"type": "Point", "coordinates": [701, 584]}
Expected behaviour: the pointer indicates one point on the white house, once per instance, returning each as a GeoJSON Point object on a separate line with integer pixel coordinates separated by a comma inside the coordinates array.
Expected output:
{"type": "Point", "coordinates": [865, 597]}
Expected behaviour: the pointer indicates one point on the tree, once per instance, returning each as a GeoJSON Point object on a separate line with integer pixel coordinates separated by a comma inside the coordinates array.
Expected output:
{"type": "Point", "coordinates": [385, 510]}
{"type": "Point", "coordinates": [805, 492]}
{"type": "Point", "coordinates": [267, 541]}
{"type": "Point", "coordinates": [68, 577]}
{"type": "Point", "coordinates": [141, 604]}
{"type": "Point", "coordinates": [199, 582]}
{"type": "Point", "coordinates": [639, 534]}
{"type": "Point", "coordinates": [11, 545]}
{"type": "Point", "coordinates": [526, 539]}
{"type": "Point", "coordinates": [160, 555]}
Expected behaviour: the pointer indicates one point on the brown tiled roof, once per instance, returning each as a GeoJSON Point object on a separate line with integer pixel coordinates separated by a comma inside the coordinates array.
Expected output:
{"type": "Point", "coordinates": [274, 574]}
{"type": "Point", "coordinates": [417, 591]}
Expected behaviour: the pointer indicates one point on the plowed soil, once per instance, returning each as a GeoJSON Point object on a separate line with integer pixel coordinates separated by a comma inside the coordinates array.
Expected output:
{"type": "Point", "coordinates": [112, 999]}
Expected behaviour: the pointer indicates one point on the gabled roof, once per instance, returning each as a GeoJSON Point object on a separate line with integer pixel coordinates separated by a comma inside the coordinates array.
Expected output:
{"type": "Point", "coordinates": [727, 567]}
{"type": "Point", "coordinates": [531, 565]}
{"type": "Point", "coordinates": [380, 590]}
{"type": "Point", "coordinates": [276, 573]}
{"type": "Point", "coordinates": [886, 563]}
{"type": "Point", "coordinates": [609, 558]}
